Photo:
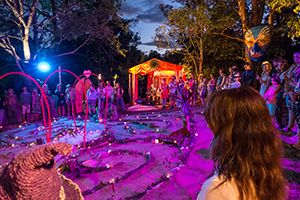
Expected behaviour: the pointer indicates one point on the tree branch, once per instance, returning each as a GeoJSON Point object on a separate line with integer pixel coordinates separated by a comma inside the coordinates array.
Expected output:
{"type": "Point", "coordinates": [222, 34]}
{"type": "Point", "coordinates": [72, 52]}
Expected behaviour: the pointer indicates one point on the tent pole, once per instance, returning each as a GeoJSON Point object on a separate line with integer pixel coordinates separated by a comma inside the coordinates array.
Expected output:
{"type": "Point", "coordinates": [130, 89]}
{"type": "Point", "coordinates": [136, 94]}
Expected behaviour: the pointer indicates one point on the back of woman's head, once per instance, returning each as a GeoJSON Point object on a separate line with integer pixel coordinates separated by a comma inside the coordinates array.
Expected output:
{"type": "Point", "coordinates": [246, 146]}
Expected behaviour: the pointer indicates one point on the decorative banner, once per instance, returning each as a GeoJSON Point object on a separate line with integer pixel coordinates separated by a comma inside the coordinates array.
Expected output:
{"type": "Point", "coordinates": [257, 40]}
{"type": "Point", "coordinates": [154, 64]}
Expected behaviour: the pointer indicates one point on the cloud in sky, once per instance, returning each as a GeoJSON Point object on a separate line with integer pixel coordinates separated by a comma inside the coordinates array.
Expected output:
{"type": "Point", "coordinates": [130, 10]}
{"type": "Point", "coordinates": [145, 10]}
{"type": "Point", "coordinates": [149, 43]}
{"type": "Point", "coordinates": [152, 15]}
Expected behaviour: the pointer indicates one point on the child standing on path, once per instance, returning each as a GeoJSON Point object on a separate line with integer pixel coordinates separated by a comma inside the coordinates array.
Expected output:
{"type": "Point", "coordinates": [271, 96]}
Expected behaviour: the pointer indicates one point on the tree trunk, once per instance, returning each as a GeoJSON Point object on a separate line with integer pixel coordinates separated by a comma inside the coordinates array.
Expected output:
{"type": "Point", "coordinates": [201, 56]}
{"type": "Point", "coordinates": [26, 47]}
{"type": "Point", "coordinates": [271, 20]}
{"type": "Point", "coordinates": [35, 35]}
{"type": "Point", "coordinates": [258, 8]}
{"type": "Point", "coordinates": [54, 21]}
{"type": "Point", "coordinates": [243, 16]}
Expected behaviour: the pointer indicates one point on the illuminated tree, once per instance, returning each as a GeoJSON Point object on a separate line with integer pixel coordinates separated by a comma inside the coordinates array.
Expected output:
{"type": "Point", "coordinates": [37, 25]}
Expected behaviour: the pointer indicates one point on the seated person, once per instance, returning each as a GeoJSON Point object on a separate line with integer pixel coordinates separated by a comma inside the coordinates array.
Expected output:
{"type": "Point", "coordinates": [151, 93]}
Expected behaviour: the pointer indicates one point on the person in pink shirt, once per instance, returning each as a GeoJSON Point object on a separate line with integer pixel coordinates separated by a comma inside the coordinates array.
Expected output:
{"type": "Point", "coordinates": [271, 95]}
{"type": "Point", "coordinates": [164, 92]}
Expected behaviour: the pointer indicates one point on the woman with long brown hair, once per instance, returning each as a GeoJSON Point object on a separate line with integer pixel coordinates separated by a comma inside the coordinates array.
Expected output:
{"type": "Point", "coordinates": [246, 148]}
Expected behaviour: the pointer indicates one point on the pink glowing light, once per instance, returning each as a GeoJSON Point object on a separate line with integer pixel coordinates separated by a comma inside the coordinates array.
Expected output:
{"type": "Point", "coordinates": [72, 101]}
{"type": "Point", "coordinates": [48, 136]}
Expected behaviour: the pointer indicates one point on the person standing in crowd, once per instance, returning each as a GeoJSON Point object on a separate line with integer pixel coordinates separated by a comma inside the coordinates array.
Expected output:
{"type": "Point", "coordinates": [242, 130]}
{"type": "Point", "coordinates": [289, 85]}
{"type": "Point", "coordinates": [281, 73]}
{"type": "Point", "coordinates": [101, 96]}
{"type": "Point", "coordinates": [12, 106]}
{"type": "Point", "coordinates": [193, 89]}
{"type": "Point", "coordinates": [294, 96]}
{"type": "Point", "coordinates": [164, 93]}
{"type": "Point", "coordinates": [120, 100]}
{"type": "Point", "coordinates": [109, 91]}
{"type": "Point", "coordinates": [68, 98]}
{"type": "Point", "coordinates": [222, 85]}
{"type": "Point", "coordinates": [211, 85]}
{"type": "Point", "coordinates": [265, 78]}
{"type": "Point", "coordinates": [248, 75]}
{"type": "Point", "coordinates": [220, 80]}
{"type": "Point", "coordinates": [2, 110]}
{"type": "Point", "coordinates": [180, 88]}
{"type": "Point", "coordinates": [173, 90]}
{"type": "Point", "coordinates": [235, 73]}
{"type": "Point", "coordinates": [236, 83]}
{"type": "Point", "coordinates": [25, 98]}
{"type": "Point", "coordinates": [92, 97]}
{"type": "Point", "coordinates": [228, 83]}
{"type": "Point", "coordinates": [271, 96]}
{"type": "Point", "coordinates": [202, 91]}
{"type": "Point", "coordinates": [276, 62]}
{"type": "Point", "coordinates": [49, 98]}
{"type": "Point", "coordinates": [36, 104]}
{"type": "Point", "coordinates": [61, 100]}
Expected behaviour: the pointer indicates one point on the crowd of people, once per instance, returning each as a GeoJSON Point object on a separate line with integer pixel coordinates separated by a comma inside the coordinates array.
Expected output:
{"type": "Point", "coordinates": [29, 104]}
{"type": "Point", "coordinates": [201, 88]}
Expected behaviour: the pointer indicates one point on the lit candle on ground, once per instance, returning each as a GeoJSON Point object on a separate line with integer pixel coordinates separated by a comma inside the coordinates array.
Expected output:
{"type": "Point", "coordinates": [112, 181]}
{"type": "Point", "coordinates": [156, 141]}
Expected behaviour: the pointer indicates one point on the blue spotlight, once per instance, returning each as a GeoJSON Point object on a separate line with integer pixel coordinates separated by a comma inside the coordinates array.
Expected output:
{"type": "Point", "coordinates": [44, 67]}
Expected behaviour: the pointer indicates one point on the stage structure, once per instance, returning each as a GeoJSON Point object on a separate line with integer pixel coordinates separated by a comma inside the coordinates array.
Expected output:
{"type": "Point", "coordinates": [156, 70]}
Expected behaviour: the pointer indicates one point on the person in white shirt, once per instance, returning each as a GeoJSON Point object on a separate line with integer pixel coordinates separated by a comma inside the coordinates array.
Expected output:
{"type": "Point", "coordinates": [246, 148]}
{"type": "Point", "coordinates": [173, 91]}
{"type": "Point", "coordinates": [109, 91]}
{"type": "Point", "coordinates": [92, 96]}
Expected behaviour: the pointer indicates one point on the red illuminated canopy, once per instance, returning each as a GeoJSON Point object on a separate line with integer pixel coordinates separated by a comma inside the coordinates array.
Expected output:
{"type": "Point", "coordinates": [154, 65]}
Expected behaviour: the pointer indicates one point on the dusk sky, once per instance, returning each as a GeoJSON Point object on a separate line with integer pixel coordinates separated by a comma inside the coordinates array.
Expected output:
{"type": "Point", "coordinates": [149, 16]}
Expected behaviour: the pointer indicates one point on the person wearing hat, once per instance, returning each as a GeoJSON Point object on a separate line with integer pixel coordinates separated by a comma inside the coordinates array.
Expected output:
{"type": "Point", "coordinates": [202, 91]}
{"type": "Point", "coordinates": [236, 83]}
{"type": "Point", "coordinates": [68, 98]}
{"type": "Point", "coordinates": [32, 175]}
